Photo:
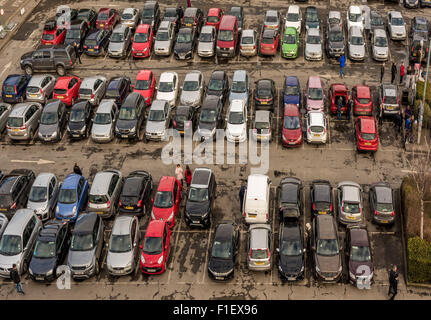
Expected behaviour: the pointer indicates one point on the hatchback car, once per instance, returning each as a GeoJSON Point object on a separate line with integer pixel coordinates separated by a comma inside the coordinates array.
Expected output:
{"type": "Point", "coordinates": [5, 110]}
{"type": "Point", "coordinates": [131, 117]}
{"type": "Point", "coordinates": [236, 122]}
{"type": "Point", "coordinates": [291, 252]}
{"type": "Point", "coordinates": [164, 39]}
{"type": "Point", "coordinates": [130, 17]}
{"type": "Point", "coordinates": [337, 92]}
{"type": "Point", "coordinates": [150, 14]}
{"type": "Point", "coordinates": [79, 124]}
{"type": "Point", "coordinates": [40, 88]}
{"type": "Point", "coordinates": [366, 134]}
{"type": "Point", "coordinates": [334, 41]}
{"type": "Point", "coordinates": [262, 124]}
{"type": "Point", "coordinates": [207, 42]}
{"type": "Point", "coordinates": [362, 102]}
{"type": "Point", "coordinates": [314, 96]}
{"type": "Point", "coordinates": [272, 20]}
{"type": "Point", "coordinates": [142, 41]}
{"type": "Point", "coordinates": [155, 247]}
{"type": "Point", "coordinates": [321, 197]}
{"type": "Point", "coordinates": [356, 44]}
{"type": "Point", "coordinates": [290, 43]}
{"type": "Point", "coordinates": [97, 42]}
{"type": "Point", "coordinates": [313, 45]}
{"type": "Point", "coordinates": [43, 195]}
{"type": "Point", "coordinates": [292, 91]}
{"type": "Point", "coordinates": [214, 17]}
{"type": "Point", "coordinates": [72, 197]}
{"type": "Point", "coordinates": [120, 41]}
{"type": "Point", "coordinates": [264, 94]}
{"type": "Point", "coordinates": [291, 132]}
{"type": "Point", "coordinates": [14, 88]}
{"type": "Point", "coordinates": [158, 120]}
{"type": "Point", "coordinates": [290, 199]}
{"type": "Point", "coordinates": [311, 18]}
{"type": "Point", "coordinates": [145, 85]}
{"type": "Point", "coordinates": [419, 24]}
{"type": "Point", "coordinates": [53, 121]}
{"type": "Point", "coordinates": [396, 26]}
{"type": "Point", "coordinates": [223, 251]}
{"type": "Point", "coordinates": [23, 121]}
{"type": "Point", "coordinates": [76, 33]}
{"type": "Point", "coordinates": [349, 202]}
{"type": "Point", "coordinates": [167, 200]}
{"type": "Point", "coordinates": [66, 89]}
{"type": "Point", "coordinates": [107, 19]}
{"type": "Point", "coordinates": [52, 34]}
{"type": "Point", "coordinates": [240, 88]}
{"type": "Point", "coordinates": [248, 43]}
{"type": "Point", "coordinates": [334, 19]}
{"type": "Point", "coordinates": [136, 193]}
{"type": "Point", "coordinates": [185, 44]}
{"type": "Point", "coordinates": [185, 119]}
{"type": "Point", "coordinates": [104, 122]}
{"type": "Point", "coordinates": [118, 88]}
{"type": "Point", "coordinates": [92, 89]}
{"type": "Point", "coordinates": [173, 15]}
{"type": "Point", "coordinates": [238, 12]}
{"type": "Point", "coordinates": [123, 246]}
{"type": "Point", "coordinates": [86, 246]}
{"type": "Point", "coordinates": [89, 16]}
{"type": "Point", "coordinates": [259, 247]}
{"type": "Point", "coordinates": [168, 88]}
{"type": "Point", "coordinates": [192, 89]}
{"type": "Point", "coordinates": [316, 127]}
{"type": "Point", "coordinates": [293, 18]}
{"type": "Point", "coordinates": [269, 42]}
{"type": "Point", "coordinates": [193, 18]}
{"type": "Point", "coordinates": [382, 203]}
{"type": "Point", "coordinates": [218, 85]}
{"type": "Point", "coordinates": [388, 95]}
{"type": "Point", "coordinates": [380, 46]}
{"type": "Point", "coordinates": [355, 18]}
{"type": "Point", "coordinates": [210, 118]}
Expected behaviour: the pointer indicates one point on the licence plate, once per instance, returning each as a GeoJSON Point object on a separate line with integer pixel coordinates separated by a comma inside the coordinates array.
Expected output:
{"type": "Point", "coordinates": [151, 270]}
{"type": "Point", "coordinates": [414, 54]}
{"type": "Point", "coordinates": [91, 50]}
{"type": "Point", "coordinates": [390, 108]}
{"type": "Point", "coordinates": [291, 142]}
{"type": "Point", "coordinates": [219, 278]}
{"type": "Point", "coordinates": [40, 278]}
{"type": "Point", "coordinates": [196, 222]}
{"type": "Point", "coordinates": [129, 208]}
{"type": "Point", "coordinates": [139, 54]}
{"type": "Point", "coordinates": [259, 136]}
{"type": "Point", "coordinates": [75, 135]}
{"type": "Point", "coordinates": [60, 97]}
{"type": "Point", "coordinates": [252, 216]}
{"type": "Point", "coordinates": [102, 25]}
{"type": "Point", "coordinates": [180, 131]}
{"type": "Point", "coordinates": [384, 221]}
{"type": "Point", "coordinates": [264, 102]}
{"type": "Point", "coordinates": [8, 96]}
{"type": "Point", "coordinates": [124, 136]}
{"type": "Point", "coordinates": [15, 130]}
{"type": "Point", "coordinates": [367, 144]}
{"type": "Point", "coordinates": [316, 135]}
{"type": "Point", "coordinates": [3, 209]}
{"type": "Point", "coordinates": [33, 95]}
{"type": "Point", "coordinates": [322, 212]}
{"type": "Point", "coordinates": [259, 263]}
{"type": "Point", "coordinates": [188, 24]}
{"type": "Point", "coordinates": [351, 217]}
{"type": "Point", "coordinates": [99, 212]}
{"type": "Point", "coordinates": [291, 279]}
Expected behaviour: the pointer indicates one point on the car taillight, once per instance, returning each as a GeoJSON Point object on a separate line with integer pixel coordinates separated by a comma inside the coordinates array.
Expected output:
{"type": "Point", "coordinates": [174, 123]}
{"type": "Point", "coordinates": [139, 203]}
{"type": "Point", "coordinates": [330, 208]}
{"type": "Point", "coordinates": [96, 47]}
{"type": "Point", "coordinates": [342, 209]}
{"type": "Point", "coordinates": [314, 206]}
{"type": "Point", "coordinates": [392, 213]}
{"type": "Point", "coordinates": [92, 96]}
{"type": "Point", "coordinates": [23, 127]}
{"type": "Point", "coordinates": [267, 216]}
{"type": "Point", "coordinates": [245, 214]}
{"type": "Point", "coordinates": [13, 206]}
{"type": "Point", "coordinates": [119, 202]}
{"type": "Point", "coordinates": [108, 204]}
{"type": "Point", "coordinates": [7, 127]}
{"type": "Point", "coordinates": [187, 124]}
{"type": "Point", "coordinates": [85, 47]}
{"type": "Point", "coordinates": [15, 90]}
{"type": "Point", "coordinates": [360, 210]}
{"type": "Point", "coordinates": [88, 202]}
{"type": "Point", "coordinates": [254, 47]}
{"type": "Point", "coordinates": [269, 256]}
{"type": "Point", "coordinates": [70, 62]}
{"type": "Point", "coordinates": [240, 47]}
{"type": "Point", "coordinates": [309, 130]}
{"type": "Point", "coordinates": [249, 255]}
{"type": "Point", "coordinates": [324, 130]}
{"type": "Point", "coordinates": [40, 91]}
{"type": "Point", "coordinates": [376, 213]}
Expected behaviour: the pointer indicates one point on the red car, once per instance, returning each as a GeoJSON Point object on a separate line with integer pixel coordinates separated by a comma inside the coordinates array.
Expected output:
{"type": "Point", "coordinates": [338, 91]}
{"type": "Point", "coordinates": [366, 134]}
{"type": "Point", "coordinates": [362, 103]}
{"type": "Point", "coordinates": [106, 19]}
{"type": "Point", "coordinates": [291, 134]}
{"type": "Point", "coordinates": [52, 34]}
{"type": "Point", "coordinates": [145, 84]}
{"type": "Point", "coordinates": [167, 201]}
{"type": "Point", "coordinates": [155, 247]}
{"type": "Point", "coordinates": [269, 42]}
{"type": "Point", "coordinates": [142, 41]}
{"type": "Point", "coordinates": [66, 89]}
{"type": "Point", "coordinates": [214, 17]}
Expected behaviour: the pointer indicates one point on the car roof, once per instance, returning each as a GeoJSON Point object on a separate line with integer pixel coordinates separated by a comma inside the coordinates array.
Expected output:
{"type": "Point", "coordinates": [142, 28]}
{"type": "Point", "coordinates": [218, 75]}
{"type": "Point", "coordinates": [143, 74]}
{"type": "Point", "coordinates": [395, 14]}
{"type": "Point", "coordinates": [351, 191]}
{"type": "Point", "coordinates": [71, 181]}
{"type": "Point", "coordinates": [50, 229]}
{"type": "Point", "coordinates": [105, 106]}
{"type": "Point", "coordinates": [12, 79]}
{"type": "Point", "coordinates": [185, 30]}
{"type": "Point", "coordinates": [322, 191]}
{"type": "Point", "coordinates": [150, 4]}
{"type": "Point", "coordinates": [355, 9]}
{"type": "Point", "coordinates": [79, 105]}
{"type": "Point", "coordinates": [359, 237]}
{"type": "Point", "coordinates": [122, 225]}
{"type": "Point", "coordinates": [363, 91]}
{"type": "Point", "coordinates": [158, 105]}
{"type": "Point", "coordinates": [291, 231]}
{"type": "Point", "coordinates": [264, 83]}
{"type": "Point", "coordinates": [128, 10]}
{"type": "Point", "coordinates": [119, 28]}
{"type": "Point", "coordinates": [236, 105]}
{"type": "Point", "coordinates": [168, 76]}
{"type": "Point", "coordinates": [311, 8]}
{"type": "Point", "coordinates": [313, 32]}
{"type": "Point", "coordinates": [367, 124]}
{"type": "Point", "coordinates": [43, 179]}
{"type": "Point", "coordinates": [259, 236]}
{"type": "Point", "coordinates": [289, 191]}
{"type": "Point", "coordinates": [213, 11]}
{"type": "Point", "coordinates": [293, 9]}
{"type": "Point", "coordinates": [271, 13]}
{"type": "Point", "coordinates": [383, 194]}
{"type": "Point", "coordinates": [88, 82]}
{"type": "Point", "coordinates": [239, 75]}
{"type": "Point", "coordinates": [355, 31]}
{"type": "Point", "coordinates": [339, 87]}
{"type": "Point", "coordinates": [380, 33]}
{"type": "Point", "coordinates": [314, 82]}
{"type": "Point", "coordinates": [18, 222]}
{"type": "Point", "coordinates": [20, 108]}
{"type": "Point", "coordinates": [227, 22]}
{"type": "Point", "coordinates": [334, 14]}
{"type": "Point", "coordinates": [256, 180]}
{"type": "Point", "coordinates": [262, 116]}
{"type": "Point", "coordinates": [247, 33]}
{"type": "Point", "coordinates": [164, 24]}
{"type": "Point", "coordinates": [192, 76]}
{"type": "Point", "coordinates": [190, 12]}
{"type": "Point", "coordinates": [291, 110]}
{"type": "Point", "coordinates": [155, 228]}
{"type": "Point", "coordinates": [207, 29]}
{"type": "Point", "coordinates": [291, 81]}
{"type": "Point", "coordinates": [103, 10]}
{"type": "Point", "coordinates": [132, 185]}
{"type": "Point", "coordinates": [131, 100]}
{"type": "Point", "coordinates": [201, 177]}
{"type": "Point", "coordinates": [224, 231]}
{"type": "Point", "coordinates": [183, 110]}
{"type": "Point", "coordinates": [85, 223]}
{"type": "Point", "coordinates": [37, 79]}
{"type": "Point", "coordinates": [94, 33]}
{"type": "Point", "coordinates": [101, 182]}
{"type": "Point", "coordinates": [210, 102]}
{"type": "Point", "coordinates": [62, 82]}
{"type": "Point", "coordinates": [53, 105]}
{"type": "Point", "coordinates": [326, 229]}
{"type": "Point", "coordinates": [165, 183]}
{"type": "Point", "coordinates": [316, 117]}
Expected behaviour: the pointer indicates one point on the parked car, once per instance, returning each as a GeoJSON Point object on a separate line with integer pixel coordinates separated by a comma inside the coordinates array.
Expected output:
{"type": "Point", "coordinates": [334, 41]}
{"type": "Point", "coordinates": [150, 14]}
{"type": "Point", "coordinates": [185, 44]}
{"type": "Point", "coordinates": [66, 89]}
{"type": "Point", "coordinates": [104, 122]}
{"type": "Point", "coordinates": [14, 88]}
{"type": "Point", "coordinates": [107, 19]}
{"type": "Point", "coordinates": [97, 42]}
{"type": "Point", "coordinates": [256, 199]}
{"type": "Point", "coordinates": [23, 121]}
{"type": "Point", "coordinates": [382, 206]}
{"type": "Point", "coordinates": [53, 121]}
{"type": "Point", "coordinates": [118, 88]}
{"type": "Point", "coordinates": [316, 127]}
{"type": "Point", "coordinates": [334, 20]}
{"type": "Point", "coordinates": [272, 20]}
{"type": "Point", "coordinates": [218, 85]}
{"type": "Point", "coordinates": [72, 197]}
{"type": "Point", "coordinates": [185, 119]}
{"type": "Point", "coordinates": [290, 43]}
{"type": "Point", "coordinates": [236, 122]}
{"type": "Point", "coordinates": [142, 41]}
{"type": "Point", "coordinates": [349, 202]}
{"type": "Point", "coordinates": [49, 251]}
{"type": "Point", "coordinates": [207, 42]}
{"type": "Point", "coordinates": [164, 39]}
{"type": "Point", "coordinates": [290, 199]}
{"type": "Point", "coordinates": [291, 252]}
{"type": "Point", "coordinates": [248, 44]}
{"type": "Point", "coordinates": [355, 18]}
{"type": "Point", "coordinates": [359, 257]}
{"type": "Point", "coordinates": [76, 33]}
{"type": "Point", "coordinates": [192, 89]}
{"type": "Point", "coordinates": [311, 18]}
{"type": "Point", "coordinates": [3, 223]}
{"type": "Point", "coordinates": [228, 37]}
{"type": "Point", "coordinates": [89, 16]}
{"type": "Point", "coordinates": [120, 42]}
{"type": "Point", "coordinates": [411, 3]}
{"type": "Point", "coordinates": [193, 18]}
{"type": "Point", "coordinates": [145, 85]}
{"type": "Point", "coordinates": [40, 88]}
{"type": "Point", "coordinates": [43, 195]}
{"type": "Point", "coordinates": [238, 12]}
{"type": "Point", "coordinates": [123, 246]}
{"type": "Point", "coordinates": [52, 34]}
{"type": "Point", "coordinates": [388, 95]}
{"type": "Point", "coordinates": [211, 117]}
{"type": "Point", "coordinates": [64, 15]}
{"type": "Point", "coordinates": [362, 102]}
{"type": "Point", "coordinates": [269, 42]}
{"type": "Point", "coordinates": [92, 89]}
{"type": "Point", "coordinates": [158, 120]}
{"type": "Point", "coordinates": [418, 50]}
{"type": "Point", "coordinates": [136, 193]}
{"type": "Point", "coordinates": [265, 94]}
{"type": "Point", "coordinates": [168, 88]}
{"type": "Point", "coordinates": [131, 117]}
{"type": "Point", "coordinates": [380, 46]}
{"type": "Point", "coordinates": [167, 200]}
{"type": "Point", "coordinates": [291, 132]}
{"type": "Point", "coordinates": [172, 14]}
{"type": "Point", "coordinates": [130, 17]}
{"type": "Point", "coordinates": [223, 251]}
{"type": "Point", "coordinates": [79, 124]}
{"type": "Point", "coordinates": [214, 17]}
{"type": "Point", "coordinates": [240, 88]}
{"type": "Point", "coordinates": [338, 91]}
{"type": "Point", "coordinates": [259, 247]}
{"type": "Point", "coordinates": [425, 3]}
{"type": "Point", "coordinates": [321, 198]}
{"type": "Point", "coordinates": [313, 45]}
{"type": "Point", "coordinates": [86, 246]}
{"type": "Point", "coordinates": [396, 26]}
{"type": "Point", "coordinates": [356, 44]}
{"type": "Point", "coordinates": [376, 22]}
{"type": "Point", "coordinates": [366, 134]}
{"type": "Point", "coordinates": [293, 18]}
{"type": "Point", "coordinates": [292, 91]}
{"type": "Point", "coordinates": [5, 110]}
{"type": "Point", "coordinates": [262, 125]}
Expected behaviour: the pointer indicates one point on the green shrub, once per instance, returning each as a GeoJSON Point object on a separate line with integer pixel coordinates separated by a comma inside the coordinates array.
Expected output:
{"type": "Point", "coordinates": [418, 260]}
{"type": "Point", "coordinates": [420, 91]}
{"type": "Point", "coordinates": [427, 113]}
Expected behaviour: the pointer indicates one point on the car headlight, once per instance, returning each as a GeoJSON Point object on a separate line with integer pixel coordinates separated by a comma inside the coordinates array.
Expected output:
{"type": "Point", "coordinates": [280, 268]}
{"type": "Point", "coordinates": [133, 49]}
{"type": "Point", "coordinates": [340, 269]}
{"type": "Point", "coordinates": [83, 129]}
{"type": "Point", "coordinates": [352, 275]}
{"type": "Point", "coordinates": [129, 264]}
{"type": "Point", "coordinates": [218, 48]}
{"type": "Point", "coordinates": [30, 271]}
{"type": "Point", "coordinates": [54, 134]}
{"type": "Point", "coordinates": [142, 259]}
{"type": "Point", "coordinates": [133, 129]}
{"type": "Point", "coordinates": [50, 272]}
{"type": "Point", "coordinates": [205, 214]}
{"type": "Point", "coordinates": [160, 260]}
{"type": "Point", "coordinates": [153, 216]}
{"type": "Point", "coordinates": [302, 269]}
{"type": "Point", "coordinates": [317, 269]}
{"type": "Point", "coordinates": [57, 209]}
{"type": "Point", "coordinates": [74, 210]}
{"type": "Point", "coordinates": [171, 216]}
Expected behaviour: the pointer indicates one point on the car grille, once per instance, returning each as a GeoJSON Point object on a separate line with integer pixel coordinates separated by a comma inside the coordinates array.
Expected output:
{"type": "Point", "coordinates": [79, 268]}
{"type": "Point", "coordinates": [329, 275]}
{"type": "Point", "coordinates": [152, 270]}
{"type": "Point", "coordinates": [124, 130]}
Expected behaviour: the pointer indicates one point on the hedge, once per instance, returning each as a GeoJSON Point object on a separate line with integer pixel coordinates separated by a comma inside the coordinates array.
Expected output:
{"type": "Point", "coordinates": [420, 91]}
{"type": "Point", "coordinates": [427, 113]}
{"type": "Point", "coordinates": [418, 260]}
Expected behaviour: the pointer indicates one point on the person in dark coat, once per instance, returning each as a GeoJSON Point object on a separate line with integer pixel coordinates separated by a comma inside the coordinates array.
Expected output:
{"type": "Point", "coordinates": [381, 114]}
{"type": "Point", "coordinates": [398, 121]}
{"type": "Point", "coordinates": [188, 175]}
{"type": "Point", "coordinates": [16, 279]}
{"type": "Point", "coordinates": [75, 46]}
{"type": "Point", "coordinates": [393, 282]}
{"type": "Point", "coordinates": [349, 108]}
{"type": "Point", "coordinates": [180, 12]}
{"type": "Point", "coordinates": [382, 72]}
{"type": "Point", "coordinates": [408, 112]}
{"type": "Point", "coordinates": [77, 169]}
{"type": "Point", "coordinates": [339, 106]}
{"type": "Point", "coordinates": [393, 71]}
{"type": "Point", "coordinates": [241, 196]}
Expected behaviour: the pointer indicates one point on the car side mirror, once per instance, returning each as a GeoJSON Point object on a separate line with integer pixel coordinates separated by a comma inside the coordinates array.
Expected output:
{"type": "Point", "coordinates": [152, 200]}
{"type": "Point", "coordinates": [106, 244]}
{"type": "Point", "coordinates": [278, 250]}
{"type": "Point", "coordinates": [313, 248]}
{"type": "Point", "coordinates": [140, 246]}
{"type": "Point", "coordinates": [157, 88]}
{"type": "Point", "coordinates": [132, 86]}
{"type": "Point", "coordinates": [304, 250]}
{"type": "Point", "coordinates": [341, 248]}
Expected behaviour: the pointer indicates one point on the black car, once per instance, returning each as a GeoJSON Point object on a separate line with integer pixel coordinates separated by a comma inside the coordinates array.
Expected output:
{"type": "Point", "coordinates": [174, 15]}
{"type": "Point", "coordinates": [210, 118]}
{"type": "Point", "coordinates": [238, 13]}
{"type": "Point", "coordinates": [151, 14]}
{"type": "Point", "coordinates": [223, 252]}
{"type": "Point", "coordinates": [382, 203]}
{"type": "Point", "coordinates": [136, 192]}
{"type": "Point", "coordinates": [185, 118]}
{"type": "Point", "coordinates": [321, 197]}
{"type": "Point", "coordinates": [50, 251]}
{"type": "Point", "coordinates": [311, 18]}
{"type": "Point", "coordinates": [14, 190]}
{"type": "Point", "coordinates": [264, 94]}
{"type": "Point", "coordinates": [193, 18]}
{"type": "Point", "coordinates": [89, 16]}
{"type": "Point", "coordinates": [79, 124]}
{"type": "Point", "coordinates": [131, 117]}
{"type": "Point", "coordinates": [291, 252]}
{"type": "Point", "coordinates": [201, 198]}
{"type": "Point", "coordinates": [334, 41]}
{"type": "Point", "coordinates": [118, 88]}
{"type": "Point", "coordinates": [53, 121]}
{"type": "Point", "coordinates": [185, 44]}
{"type": "Point", "coordinates": [97, 42]}
{"type": "Point", "coordinates": [289, 197]}
{"type": "Point", "coordinates": [218, 85]}
{"type": "Point", "coordinates": [76, 33]}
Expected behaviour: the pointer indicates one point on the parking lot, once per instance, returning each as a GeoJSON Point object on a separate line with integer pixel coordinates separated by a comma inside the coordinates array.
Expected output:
{"type": "Point", "coordinates": [337, 160]}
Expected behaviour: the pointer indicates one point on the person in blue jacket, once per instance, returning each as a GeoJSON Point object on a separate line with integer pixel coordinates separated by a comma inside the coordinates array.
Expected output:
{"type": "Point", "coordinates": [342, 61]}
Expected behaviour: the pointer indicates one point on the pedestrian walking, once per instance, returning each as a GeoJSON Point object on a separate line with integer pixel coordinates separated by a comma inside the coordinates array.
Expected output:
{"type": "Point", "coordinates": [77, 169]}
{"type": "Point", "coordinates": [408, 128]}
{"type": "Point", "coordinates": [342, 61]}
{"type": "Point", "coordinates": [382, 72]}
{"type": "Point", "coordinates": [381, 114]}
{"type": "Point", "coordinates": [402, 72]}
{"type": "Point", "coordinates": [397, 122]}
{"type": "Point", "coordinates": [188, 175]}
{"type": "Point", "coordinates": [349, 108]}
{"type": "Point", "coordinates": [179, 174]}
{"type": "Point", "coordinates": [180, 12]}
{"type": "Point", "coordinates": [408, 112]}
{"type": "Point", "coordinates": [75, 46]}
{"type": "Point", "coordinates": [16, 279]}
{"type": "Point", "coordinates": [241, 196]}
{"type": "Point", "coordinates": [393, 71]}
{"type": "Point", "coordinates": [393, 283]}
{"type": "Point", "coordinates": [339, 106]}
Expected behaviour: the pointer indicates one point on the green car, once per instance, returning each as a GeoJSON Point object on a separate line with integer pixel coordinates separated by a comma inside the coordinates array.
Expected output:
{"type": "Point", "coordinates": [290, 43]}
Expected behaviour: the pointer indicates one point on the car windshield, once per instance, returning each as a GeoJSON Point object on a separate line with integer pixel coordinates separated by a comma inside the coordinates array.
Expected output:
{"type": "Point", "coordinates": [120, 243]}
{"type": "Point", "coordinates": [262, 125]}
{"type": "Point", "coordinates": [215, 85]}
{"type": "Point", "coordinates": [355, 17]}
{"type": "Point", "coordinates": [156, 115]}
{"type": "Point", "coordinates": [142, 85]}
{"type": "Point", "coordinates": [315, 93]}
{"type": "Point", "coordinates": [198, 194]}
{"type": "Point", "coordinates": [421, 27]}
{"type": "Point", "coordinates": [313, 39]}
{"type": "Point", "coordinates": [127, 113]}
{"type": "Point", "coordinates": [97, 199]}
{"type": "Point", "coordinates": [236, 117]}
{"type": "Point", "coordinates": [263, 92]}
{"type": "Point", "coordinates": [267, 40]}
{"type": "Point", "coordinates": [311, 16]}
{"type": "Point", "coordinates": [208, 115]}
{"type": "Point", "coordinates": [360, 254]}
{"type": "Point", "coordinates": [357, 41]}
{"type": "Point", "coordinates": [291, 123]}
{"type": "Point", "coordinates": [247, 40]}
{"type": "Point", "coordinates": [289, 39]}
{"type": "Point", "coordinates": [2, 109]}
{"type": "Point", "coordinates": [390, 100]}
{"type": "Point", "coordinates": [376, 20]}
{"type": "Point", "coordinates": [184, 37]}
{"type": "Point", "coordinates": [180, 118]}
{"type": "Point", "coordinates": [140, 38]}
{"type": "Point", "coordinates": [206, 37]}
{"type": "Point", "coordinates": [384, 207]}
{"type": "Point", "coordinates": [166, 86]}
{"type": "Point", "coordinates": [213, 19]}
{"type": "Point", "coordinates": [170, 13]}
{"type": "Point", "coordinates": [162, 36]}
{"type": "Point", "coordinates": [225, 35]}
{"type": "Point", "coordinates": [10, 245]}
{"type": "Point", "coordinates": [191, 86]}
{"type": "Point", "coordinates": [163, 199]}
{"type": "Point", "coordinates": [152, 245]}
{"type": "Point", "coordinates": [380, 42]}
{"type": "Point", "coordinates": [117, 37]}
{"type": "Point", "coordinates": [397, 21]}
{"type": "Point", "coordinates": [67, 196]}
{"type": "Point", "coordinates": [334, 20]}
{"type": "Point", "coordinates": [351, 207]}
{"type": "Point", "coordinates": [49, 118]}
{"type": "Point", "coordinates": [9, 89]}
{"type": "Point", "coordinates": [291, 91]}
{"type": "Point", "coordinates": [44, 249]}
{"type": "Point", "coordinates": [14, 122]}
{"type": "Point", "coordinates": [363, 100]}
{"type": "Point", "coordinates": [111, 94]}
{"type": "Point", "coordinates": [73, 34]}
{"type": "Point", "coordinates": [221, 250]}
{"type": "Point", "coordinates": [77, 115]}
{"type": "Point", "coordinates": [37, 194]}
{"type": "Point", "coordinates": [272, 19]}
{"type": "Point", "coordinates": [259, 254]}
{"type": "Point", "coordinates": [102, 16]}
{"type": "Point", "coordinates": [81, 242]}
{"type": "Point", "coordinates": [290, 248]}
{"type": "Point", "coordinates": [102, 118]}
{"type": "Point", "coordinates": [336, 36]}
{"type": "Point", "coordinates": [127, 16]}
{"type": "Point", "coordinates": [327, 247]}
{"type": "Point", "coordinates": [148, 13]}
{"type": "Point", "coordinates": [238, 87]}
{"type": "Point", "coordinates": [368, 136]}
{"type": "Point", "coordinates": [292, 17]}
{"type": "Point", "coordinates": [48, 36]}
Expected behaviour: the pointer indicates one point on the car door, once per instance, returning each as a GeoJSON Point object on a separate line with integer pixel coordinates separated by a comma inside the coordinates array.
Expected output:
{"type": "Point", "coordinates": [52, 193]}
{"type": "Point", "coordinates": [80, 191]}
{"type": "Point", "coordinates": [177, 195]}
{"type": "Point", "coordinates": [134, 233]}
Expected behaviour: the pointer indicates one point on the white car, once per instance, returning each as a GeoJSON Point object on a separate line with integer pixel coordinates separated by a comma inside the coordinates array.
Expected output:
{"type": "Point", "coordinates": [236, 128]}
{"type": "Point", "coordinates": [355, 18]}
{"type": "Point", "coordinates": [192, 89]}
{"type": "Point", "coordinates": [316, 127]}
{"type": "Point", "coordinates": [168, 88]}
{"type": "Point", "coordinates": [380, 45]}
{"type": "Point", "coordinates": [293, 18]}
{"type": "Point", "coordinates": [396, 26]}
{"type": "Point", "coordinates": [356, 44]}
{"type": "Point", "coordinates": [313, 45]}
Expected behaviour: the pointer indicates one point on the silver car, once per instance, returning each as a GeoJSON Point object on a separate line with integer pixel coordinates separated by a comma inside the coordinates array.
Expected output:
{"type": "Point", "coordinates": [123, 246]}
{"type": "Point", "coordinates": [207, 42]}
{"type": "Point", "coordinates": [272, 19]}
{"type": "Point", "coordinates": [3, 223]}
{"type": "Point", "coordinates": [334, 18]}
{"type": "Point", "coordinates": [5, 110]}
{"type": "Point", "coordinates": [164, 39]}
{"type": "Point", "coordinates": [17, 242]}
{"type": "Point", "coordinates": [104, 121]}
{"type": "Point", "coordinates": [43, 195]}
{"type": "Point", "coordinates": [40, 88]}
{"type": "Point", "coordinates": [192, 90]}
{"type": "Point", "coordinates": [259, 250]}
{"type": "Point", "coordinates": [388, 96]}
{"type": "Point", "coordinates": [130, 17]}
{"type": "Point", "coordinates": [349, 202]}
{"type": "Point", "coordinates": [93, 89]}
{"type": "Point", "coordinates": [356, 44]}
{"type": "Point", "coordinates": [396, 26]}
{"type": "Point", "coordinates": [313, 45]}
{"type": "Point", "coordinates": [24, 120]}
{"type": "Point", "coordinates": [104, 193]}
{"type": "Point", "coordinates": [158, 120]}
{"type": "Point", "coordinates": [380, 45]}
{"type": "Point", "coordinates": [240, 88]}
{"type": "Point", "coordinates": [120, 41]}
{"type": "Point", "coordinates": [262, 126]}
{"type": "Point", "coordinates": [248, 44]}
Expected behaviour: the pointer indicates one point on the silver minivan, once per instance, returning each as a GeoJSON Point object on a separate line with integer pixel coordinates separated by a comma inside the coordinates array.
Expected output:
{"type": "Point", "coordinates": [24, 120]}
{"type": "Point", "coordinates": [207, 41]}
{"type": "Point", "coordinates": [93, 89]}
{"type": "Point", "coordinates": [259, 242]}
{"type": "Point", "coordinates": [104, 121]}
{"type": "Point", "coordinates": [123, 247]}
{"type": "Point", "coordinates": [43, 195]}
{"type": "Point", "coordinates": [17, 242]}
{"type": "Point", "coordinates": [164, 38]}
{"type": "Point", "coordinates": [40, 88]}
{"type": "Point", "coordinates": [120, 41]}
{"type": "Point", "coordinates": [104, 193]}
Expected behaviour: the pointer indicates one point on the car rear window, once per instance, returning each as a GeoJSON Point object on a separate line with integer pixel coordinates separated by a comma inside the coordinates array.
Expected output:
{"type": "Point", "coordinates": [363, 100]}
{"type": "Point", "coordinates": [349, 207]}
{"type": "Point", "coordinates": [316, 129]}
{"type": "Point", "coordinates": [368, 136]}
{"type": "Point", "coordinates": [14, 122]}
{"type": "Point", "coordinates": [48, 36]}
{"type": "Point", "coordinates": [32, 89]}
{"type": "Point", "coordinates": [60, 91]}
{"type": "Point", "coordinates": [189, 20]}
{"type": "Point", "coordinates": [247, 40]}
{"type": "Point", "coordinates": [9, 89]}
{"type": "Point", "coordinates": [85, 91]}
{"type": "Point", "coordinates": [97, 199]}
{"type": "Point", "coordinates": [90, 42]}
{"type": "Point", "coordinates": [266, 40]}
{"type": "Point", "coordinates": [258, 254]}
{"type": "Point", "coordinates": [102, 16]}
{"type": "Point", "coordinates": [384, 207]}
{"type": "Point", "coordinates": [390, 100]}
{"type": "Point", "coordinates": [262, 125]}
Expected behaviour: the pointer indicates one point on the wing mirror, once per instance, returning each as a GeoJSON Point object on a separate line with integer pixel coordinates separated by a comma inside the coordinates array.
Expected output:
{"type": "Point", "coordinates": [278, 250]}
{"type": "Point", "coordinates": [140, 246]}
{"type": "Point", "coordinates": [132, 86]}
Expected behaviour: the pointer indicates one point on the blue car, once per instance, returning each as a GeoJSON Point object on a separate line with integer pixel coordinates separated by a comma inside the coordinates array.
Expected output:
{"type": "Point", "coordinates": [292, 91]}
{"type": "Point", "coordinates": [96, 42]}
{"type": "Point", "coordinates": [72, 197]}
{"type": "Point", "coordinates": [14, 87]}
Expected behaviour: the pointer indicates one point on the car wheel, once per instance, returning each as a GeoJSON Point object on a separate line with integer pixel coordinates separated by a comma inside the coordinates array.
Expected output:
{"type": "Point", "coordinates": [61, 71]}
{"type": "Point", "coordinates": [28, 70]}
{"type": "Point", "coordinates": [24, 267]}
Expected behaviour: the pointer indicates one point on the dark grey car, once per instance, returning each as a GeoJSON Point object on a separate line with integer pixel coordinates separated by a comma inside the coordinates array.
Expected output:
{"type": "Point", "coordinates": [53, 121]}
{"type": "Point", "coordinates": [382, 203]}
{"type": "Point", "coordinates": [131, 117]}
{"type": "Point", "coordinates": [334, 41]}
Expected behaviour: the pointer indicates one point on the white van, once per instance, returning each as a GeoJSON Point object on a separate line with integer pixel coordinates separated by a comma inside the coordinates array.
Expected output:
{"type": "Point", "coordinates": [256, 199]}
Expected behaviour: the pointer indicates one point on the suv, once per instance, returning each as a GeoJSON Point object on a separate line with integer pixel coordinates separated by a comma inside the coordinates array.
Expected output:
{"type": "Point", "coordinates": [104, 193]}
{"type": "Point", "coordinates": [131, 117]}
{"type": "Point", "coordinates": [136, 193]}
{"type": "Point", "coordinates": [349, 202]}
{"type": "Point", "coordinates": [259, 247]}
{"type": "Point", "coordinates": [59, 58]}
{"type": "Point", "coordinates": [290, 199]}
{"type": "Point", "coordinates": [388, 95]}
{"type": "Point", "coordinates": [201, 198]}
{"type": "Point", "coordinates": [24, 120]}
{"type": "Point", "coordinates": [382, 203]}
